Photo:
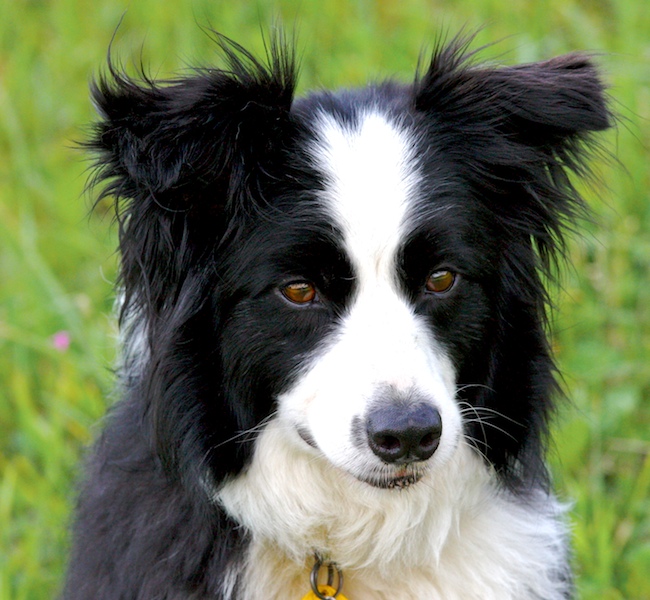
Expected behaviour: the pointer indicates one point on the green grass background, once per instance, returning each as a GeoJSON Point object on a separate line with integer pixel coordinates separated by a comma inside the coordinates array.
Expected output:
{"type": "Point", "coordinates": [57, 263]}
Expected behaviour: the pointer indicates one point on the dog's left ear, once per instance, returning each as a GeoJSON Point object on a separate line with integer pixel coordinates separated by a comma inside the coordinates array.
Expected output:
{"type": "Point", "coordinates": [543, 104]}
{"type": "Point", "coordinates": [520, 127]}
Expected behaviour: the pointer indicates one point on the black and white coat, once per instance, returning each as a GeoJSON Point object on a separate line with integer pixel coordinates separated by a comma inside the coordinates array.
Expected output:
{"type": "Point", "coordinates": [334, 332]}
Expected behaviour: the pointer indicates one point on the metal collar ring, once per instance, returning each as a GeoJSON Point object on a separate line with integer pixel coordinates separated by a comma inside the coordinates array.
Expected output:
{"type": "Point", "coordinates": [313, 578]}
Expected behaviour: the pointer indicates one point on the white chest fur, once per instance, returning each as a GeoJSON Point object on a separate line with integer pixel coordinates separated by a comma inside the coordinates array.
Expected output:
{"type": "Point", "coordinates": [453, 535]}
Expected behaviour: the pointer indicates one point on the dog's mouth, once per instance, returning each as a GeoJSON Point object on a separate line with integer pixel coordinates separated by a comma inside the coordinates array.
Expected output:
{"type": "Point", "coordinates": [394, 480]}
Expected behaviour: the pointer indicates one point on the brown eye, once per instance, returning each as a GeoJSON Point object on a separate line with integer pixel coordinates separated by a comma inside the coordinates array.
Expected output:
{"type": "Point", "coordinates": [441, 282]}
{"type": "Point", "coordinates": [299, 292]}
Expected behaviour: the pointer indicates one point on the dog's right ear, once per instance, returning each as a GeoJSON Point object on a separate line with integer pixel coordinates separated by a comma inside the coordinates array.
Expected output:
{"type": "Point", "coordinates": [176, 154]}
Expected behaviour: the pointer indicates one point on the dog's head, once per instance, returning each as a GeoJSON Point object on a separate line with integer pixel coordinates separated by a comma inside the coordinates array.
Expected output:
{"type": "Point", "coordinates": [364, 266]}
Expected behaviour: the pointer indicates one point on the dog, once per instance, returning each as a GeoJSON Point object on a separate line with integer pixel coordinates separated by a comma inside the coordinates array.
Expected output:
{"type": "Point", "coordinates": [336, 377]}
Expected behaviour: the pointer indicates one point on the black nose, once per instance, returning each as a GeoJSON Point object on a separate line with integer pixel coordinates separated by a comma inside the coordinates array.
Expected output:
{"type": "Point", "coordinates": [404, 434]}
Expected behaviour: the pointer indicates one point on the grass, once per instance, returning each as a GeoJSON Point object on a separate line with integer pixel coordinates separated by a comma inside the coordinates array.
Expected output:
{"type": "Point", "coordinates": [57, 263]}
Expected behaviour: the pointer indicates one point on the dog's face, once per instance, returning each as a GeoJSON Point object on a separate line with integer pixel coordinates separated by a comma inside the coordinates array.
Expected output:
{"type": "Point", "coordinates": [363, 267]}
{"type": "Point", "coordinates": [359, 301]}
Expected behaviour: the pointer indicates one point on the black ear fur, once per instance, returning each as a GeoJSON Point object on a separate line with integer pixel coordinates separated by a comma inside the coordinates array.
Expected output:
{"type": "Point", "coordinates": [160, 136]}
{"type": "Point", "coordinates": [556, 98]}
{"type": "Point", "coordinates": [176, 154]}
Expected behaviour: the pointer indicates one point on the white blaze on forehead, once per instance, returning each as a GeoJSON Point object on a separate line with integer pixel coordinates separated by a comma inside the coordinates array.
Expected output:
{"type": "Point", "coordinates": [370, 176]}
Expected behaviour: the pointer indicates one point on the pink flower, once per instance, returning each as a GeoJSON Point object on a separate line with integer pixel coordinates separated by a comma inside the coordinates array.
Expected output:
{"type": "Point", "coordinates": [61, 341]}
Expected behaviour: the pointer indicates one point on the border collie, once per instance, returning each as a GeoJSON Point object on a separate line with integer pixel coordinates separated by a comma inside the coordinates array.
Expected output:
{"type": "Point", "coordinates": [336, 358]}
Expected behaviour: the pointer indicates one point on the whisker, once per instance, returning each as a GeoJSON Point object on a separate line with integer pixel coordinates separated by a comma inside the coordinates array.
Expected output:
{"type": "Point", "coordinates": [478, 419]}
{"type": "Point", "coordinates": [474, 385]}
{"type": "Point", "coordinates": [487, 423]}
{"type": "Point", "coordinates": [256, 429]}
{"type": "Point", "coordinates": [484, 420]}
{"type": "Point", "coordinates": [476, 446]}
{"type": "Point", "coordinates": [484, 409]}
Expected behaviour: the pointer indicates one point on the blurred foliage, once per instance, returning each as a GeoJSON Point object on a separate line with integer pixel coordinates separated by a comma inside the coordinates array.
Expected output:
{"type": "Point", "coordinates": [57, 262]}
